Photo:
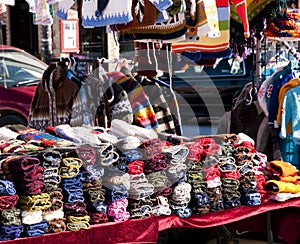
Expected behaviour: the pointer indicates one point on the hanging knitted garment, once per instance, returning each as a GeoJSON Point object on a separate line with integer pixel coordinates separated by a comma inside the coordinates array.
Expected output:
{"type": "Point", "coordinates": [166, 31]}
{"type": "Point", "coordinates": [218, 47]}
{"type": "Point", "coordinates": [53, 99]}
{"type": "Point", "coordinates": [63, 7]}
{"type": "Point", "coordinates": [113, 13]}
{"type": "Point", "coordinates": [143, 113]}
{"type": "Point", "coordinates": [144, 14]}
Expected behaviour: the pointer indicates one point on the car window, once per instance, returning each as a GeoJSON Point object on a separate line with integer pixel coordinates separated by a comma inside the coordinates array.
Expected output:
{"type": "Point", "coordinates": [222, 67]}
{"type": "Point", "coordinates": [19, 67]}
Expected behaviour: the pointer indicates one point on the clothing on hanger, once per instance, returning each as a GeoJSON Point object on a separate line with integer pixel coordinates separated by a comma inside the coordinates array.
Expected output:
{"type": "Point", "coordinates": [53, 99]}
{"type": "Point", "coordinates": [247, 117]}
{"type": "Point", "coordinates": [159, 104]}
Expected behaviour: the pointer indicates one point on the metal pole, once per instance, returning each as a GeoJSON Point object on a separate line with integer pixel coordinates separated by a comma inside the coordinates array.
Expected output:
{"type": "Point", "coordinates": [46, 43]}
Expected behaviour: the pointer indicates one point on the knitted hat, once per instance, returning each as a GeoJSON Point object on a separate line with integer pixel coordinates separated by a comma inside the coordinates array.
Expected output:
{"type": "Point", "coordinates": [175, 27]}
{"type": "Point", "coordinates": [120, 106]}
{"type": "Point", "coordinates": [143, 12]}
{"type": "Point", "coordinates": [63, 7]}
{"type": "Point", "coordinates": [161, 4]}
{"type": "Point", "coordinates": [113, 13]}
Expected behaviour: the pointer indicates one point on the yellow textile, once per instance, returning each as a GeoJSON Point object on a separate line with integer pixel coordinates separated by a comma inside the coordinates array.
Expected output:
{"type": "Point", "coordinates": [284, 186]}
{"type": "Point", "coordinates": [290, 84]}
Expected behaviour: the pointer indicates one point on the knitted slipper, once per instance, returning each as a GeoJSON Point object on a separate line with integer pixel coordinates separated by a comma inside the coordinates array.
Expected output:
{"type": "Point", "coordinates": [128, 143]}
{"type": "Point", "coordinates": [177, 152]}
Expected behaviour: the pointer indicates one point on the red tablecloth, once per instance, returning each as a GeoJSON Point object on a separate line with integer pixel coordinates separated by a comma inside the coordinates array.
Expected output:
{"type": "Point", "coordinates": [224, 216]}
{"type": "Point", "coordinates": [146, 230]}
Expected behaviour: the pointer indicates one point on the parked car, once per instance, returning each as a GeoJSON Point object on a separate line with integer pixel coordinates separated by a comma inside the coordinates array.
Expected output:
{"type": "Point", "coordinates": [19, 74]}
{"type": "Point", "coordinates": [204, 93]}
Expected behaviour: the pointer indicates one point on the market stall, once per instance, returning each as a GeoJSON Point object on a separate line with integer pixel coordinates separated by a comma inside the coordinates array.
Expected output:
{"type": "Point", "coordinates": [103, 158]}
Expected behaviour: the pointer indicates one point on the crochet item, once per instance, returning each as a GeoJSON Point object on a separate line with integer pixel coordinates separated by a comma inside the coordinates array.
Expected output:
{"type": "Point", "coordinates": [161, 5]}
{"type": "Point", "coordinates": [63, 7]}
{"type": "Point", "coordinates": [143, 113]}
{"type": "Point", "coordinates": [53, 99]}
{"type": "Point", "coordinates": [143, 13]}
{"type": "Point", "coordinates": [113, 13]}
{"type": "Point", "coordinates": [282, 169]}
{"type": "Point", "coordinates": [169, 31]}
{"type": "Point", "coordinates": [219, 46]}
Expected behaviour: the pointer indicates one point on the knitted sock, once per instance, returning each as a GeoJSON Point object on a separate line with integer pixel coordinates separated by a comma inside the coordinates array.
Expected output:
{"type": "Point", "coordinates": [63, 7]}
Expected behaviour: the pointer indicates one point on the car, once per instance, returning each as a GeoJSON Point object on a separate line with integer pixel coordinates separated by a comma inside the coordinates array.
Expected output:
{"type": "Point", "coordinates": [20, 72]}
{"type": "Point", "coordinates": [205, 93]}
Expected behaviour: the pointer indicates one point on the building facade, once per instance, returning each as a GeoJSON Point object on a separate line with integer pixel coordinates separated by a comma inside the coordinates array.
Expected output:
{"type": "Point", "coordinates": [53, 41]}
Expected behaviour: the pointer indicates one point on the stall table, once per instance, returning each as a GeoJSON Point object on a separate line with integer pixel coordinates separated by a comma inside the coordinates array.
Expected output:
{"type": "Point", "coordinates": [146, 230]}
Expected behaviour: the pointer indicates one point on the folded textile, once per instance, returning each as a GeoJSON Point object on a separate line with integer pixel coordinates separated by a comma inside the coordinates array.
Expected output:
{"type": "Point", "coordinates": [8, 202]}
{"type": "Point", "coordinates": [10, 232]}
{"type": "Point", "coordinates": [56, 225]}
{"type": "Point", "coordinates": [33, 217]}
{"type": "Point", "coordinates": [7, 188]}
{"type": "Point", "coordinates": [37, 229]}
{"type": "Point", "coordinates": [10, 217]}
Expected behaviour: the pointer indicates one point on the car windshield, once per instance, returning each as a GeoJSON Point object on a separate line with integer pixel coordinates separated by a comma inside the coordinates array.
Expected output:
{"type": "Point", "coordinates": [19, 68]}
{"type": "Point", "coordinates": [222, 67]}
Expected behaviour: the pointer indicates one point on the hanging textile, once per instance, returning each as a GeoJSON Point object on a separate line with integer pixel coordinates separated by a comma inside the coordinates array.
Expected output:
{"type": "Point", "coordinates": [168, 30]}
{"type": "Point", "coordinates": [63, 7]}
{"type": "Point", "coordinates": [53, 99]}
{"type": "Point", "coordinates": [207, 47]}
{"type": "Point", "coordinates": [118, 106]}
{"type": "Point", "coordinates": [143, 113]}
{"type": "Point", "coordinates": [113, 13]}
{"type": "Point", "coordinates": [284, 26]}
{"type": "Point", "coordinates": [159, 104]}
{"type": "Point", "coordinates": [247, 117]}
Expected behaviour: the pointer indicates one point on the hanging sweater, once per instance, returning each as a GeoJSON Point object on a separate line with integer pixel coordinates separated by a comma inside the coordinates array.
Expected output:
{"type": "Point", "coordinates": [291, 112]}
{"type": "Point", "coordinates": [283, 90]}
{"type": "Point", "coordinates": [217, 46]}
{"type": "Point", "coordinates": [53, 99]}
